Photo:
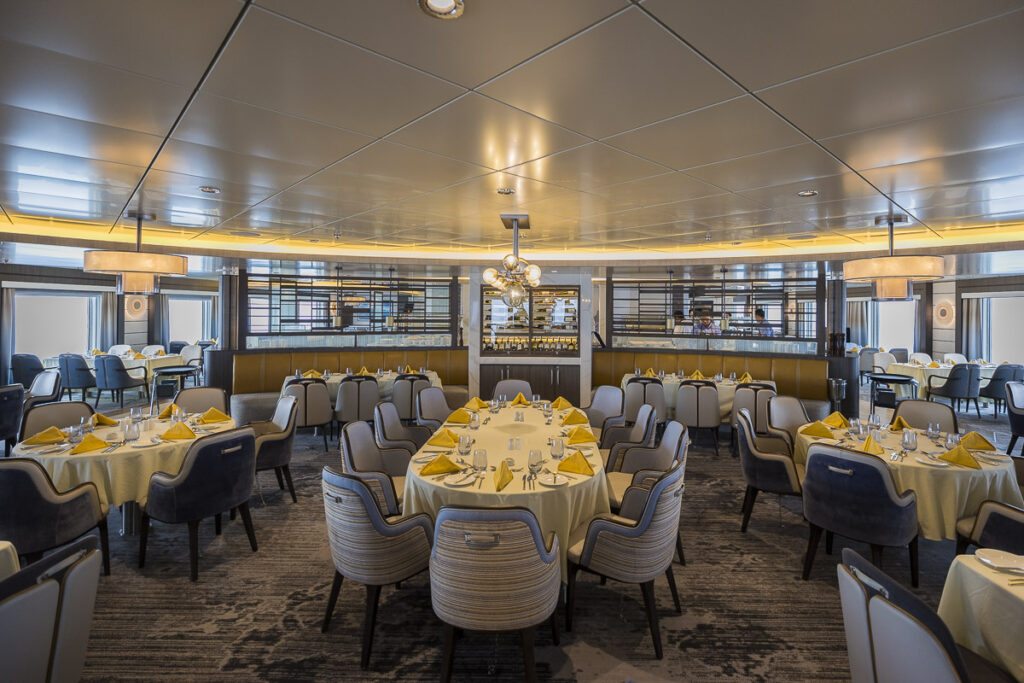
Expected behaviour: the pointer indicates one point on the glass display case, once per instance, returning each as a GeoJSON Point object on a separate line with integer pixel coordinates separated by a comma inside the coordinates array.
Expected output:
{"type": "Point", "coordinates": [546, 325]}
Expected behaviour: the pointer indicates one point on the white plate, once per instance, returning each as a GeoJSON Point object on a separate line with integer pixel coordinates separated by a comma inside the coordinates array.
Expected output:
{"type": "Point", "coordinates": [54, 449]}
{"type": "Point", "coordinates": [933, 463]}
{"type": "Point", "coordinates": [460, 479]}
{"type": "Point", "coordinates": [424, 459]}
{"type": "Point", "coordinates": [553, 480]}
{"type": "Point", "coordinates": [1000, 560]}
{"type": "Point", "coordinates": [142, 445]}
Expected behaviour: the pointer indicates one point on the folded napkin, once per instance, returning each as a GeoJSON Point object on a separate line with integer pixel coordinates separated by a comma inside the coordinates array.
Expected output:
{"type": "Point", "coordinates": [166, 412]}
{"type": "Point", "coordinates": [872, 447]}
{"type": "Point", "coordinates": [101, 419]}
{"type": "Point", "coordinates": [575, 417]}
{"type": "Point", "coordinates": [581, 435]}
{"type": "Point", "coordinates": [312, 373]}
{"type": "Point", "coordinates": [837, 420]}
{"type": "Point", "coordinates": [649, 372]}
{"type": "Point", "coordinates": [48, 435]}
{"type": "Point", "coordinates": [745, 378]}
{"type": "Point", "coordinates": [960, 456]}
{"type": "Point", "coordinates": [445, 438]}
{"type": "Point", "coordinates": [576, 464]}
{"type": "Point", "coordinates": [475, 404]}
{"type": "Point", "coordinates": [561, 404]}
{"type": "Point", "coordinates": [139, 356]}
{"type": "Point", "coordinates": [97, 352]}
{"type": "Point", "coordinates": [212, 415]}
{"type": "Point", "coordinates": [88, 443]}
{"type": "Point", "coordinates": [161, 352]}
{"type": "Point", "coordinates": [881, 350]}
{"type": "Point", "coordinates": [460, 416]}
{"type": "Point", "coordinates": [440, 465]}
{"type": "Point", "coordinates": [179, 430]}
{"type": "Point", "coordinates": [898, 425]}
{"type": "Point", "coordinates": [973, 441]}
{"type": "Point", "coordinates": [364, 371]}
{"type": "Point", "coordinates": [697, 374]}
{"type": "Point", "coordinates": [934, 364]}
{"type": "Point", "coordinates": [502, 477]}
{"type": "Point", "coordinates": [408, 369]}
{"type": "Point", "coordinates": [817, 429]}
{"type": "Point", "coordinates": [520, 400]}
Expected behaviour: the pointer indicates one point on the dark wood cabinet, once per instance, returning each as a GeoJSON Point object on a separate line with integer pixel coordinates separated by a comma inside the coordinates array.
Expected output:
{"type": "Point", "coordinates": [550, 380]}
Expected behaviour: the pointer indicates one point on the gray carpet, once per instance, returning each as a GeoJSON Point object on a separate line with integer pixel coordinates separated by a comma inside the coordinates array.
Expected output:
{"type": "Point", "coordinates": [256, 616]}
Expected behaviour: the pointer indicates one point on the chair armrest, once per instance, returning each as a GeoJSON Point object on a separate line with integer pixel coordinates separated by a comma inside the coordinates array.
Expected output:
{"type": "Point", "coordinates": [128, 371]}
{"type": "Point", "coordinates": [781, 434]}
{"type": "Point", "coordinates": [82, 491]}
{"type": "Point", "coordinates": [611, 435]}
{"type": "Point", "coordinates": [396, 460]}
{"type": "Point", "coordinates": [645, 478]}
{"type": "Point", "coordinates": [633, 502]}
{"type": "Point", "coordinates": [398, 444]}
{"type": "Point", "coordinates": [931, 379]}
{"type": "Point", "coordinates": [773, 443]}
{"type": "Point", "coordinates": [397, 526]}
{"type": "Point", "coordinates": [643, 458]}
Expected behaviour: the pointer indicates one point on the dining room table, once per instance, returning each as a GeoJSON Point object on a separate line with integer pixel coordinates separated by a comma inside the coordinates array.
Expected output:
{"type": "Point", "coordinates": [385, 382]}
{"type": "Point", "coordinates": [921, 373]}
{"type": "Point", "coordinates": [560, 503]}
{"type": "Point", "coordinates": [150, 363]}
{"type": "Point", "coordinates": [670, 383]}
{"type": "Point", "coordinates": [946, 492]}
{"type": "Point", "coordinates": [983, 607]}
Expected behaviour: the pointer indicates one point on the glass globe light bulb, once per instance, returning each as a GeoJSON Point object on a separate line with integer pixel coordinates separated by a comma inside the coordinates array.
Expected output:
{"type": "Point", "coordinates": [532, 272]}
{"type": "Point", "coordinates": [510, 261]}
{"type": "Point", "coordinates": [490, 276]}
{"type": "Point", "coordinates": [515, 293]}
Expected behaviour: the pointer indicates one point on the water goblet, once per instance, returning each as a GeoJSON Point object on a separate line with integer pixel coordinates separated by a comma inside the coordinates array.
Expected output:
{"type": "Point", "coordinates": [557, 448]}
{"type": "Point", "coordinates": [534, 461]}
{"type": "Point", "coordinates": [732, 376]}
{"type": "Point", "coordinates": [131, 432]}
{"type": "Point", "coordinates": [74, 434]}
{"type": "Point", "coordinates": [875, 420]}
{"type": "Point", "coordinates": [135, 413]}
{"type": "Point", "coordinates": [465, 444]}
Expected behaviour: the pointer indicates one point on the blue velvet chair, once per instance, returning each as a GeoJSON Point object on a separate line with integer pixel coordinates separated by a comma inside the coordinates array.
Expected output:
{"type": "Point", "coordinates": [764, 468]}
{"type": "Point", "coordinates": [74, 374]}
{"type": "Point", "coordinates": [176, 346]}
{"type": "Point", "coordinates": [995, 389]}
{"type": "Point", "coordinates": [852, 494]}
{"type": "Point", "coordinates": [24, 368]}
{"type": "Point", "coordinates": [12, 399]}
{"type": "Point", "coordinates": [216, 477]}
{"type": "Point", "coordinates": [1015, 412]}
{"type": "Point", "coordinates": [112, 376]}
{"type": "Point", "coordinates": [997, 525]}
{"type": "Point", "coordinates": [957, 386]}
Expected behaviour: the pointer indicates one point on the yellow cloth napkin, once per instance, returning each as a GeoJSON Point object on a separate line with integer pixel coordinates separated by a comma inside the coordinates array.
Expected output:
{"type": "Point", "coordinates": [166, 412]}
{"type": "Point", "coordinates": [933, 364]}
{"type": "Point", "coordinates": [520, 400]}
{"type": "Point", "coordinates": [561, 404]}
{"type": "Point", "coordinates": [870, 446]}
{"type": "Point", "coordinates": [576, 464]}
{"type": "Point", "coordinates": [312, 374]}
{"type": "Point", "coordinates": [817, 429]}
{"type": "Point", "coordinates": [179, 430]}
{"type": "Point", "coordinates": [101, 419]}
{"type": "Point", "coordinates": [445, 438]}
{"type": "Point", "coordinates": [475, 404]}
{"type": "Point", "coordinates": [745, 378]}
{"type": "Point", "coordinates": [973, 441]}
{"type": "Point", "coordinates": [502, 477]}
{"type": "Point", "coordinates": [48, 435]}
{"type": "Point", "coordinates": [575, 417]}
{"type": "Point", "coordinates": [697, 374]}
{"type": "Point", "coordinates": [837, 420]}
{"type": "Point", "coordinates": [88, 443]}
{"type": "Point", "coordinates": [898, 425]}
{"type": "Point", "coordinates": [649, 372]}
{"type": "Point", "coordinates": [213, 415]}
{"type": "Point", "coordinates": [460, 416]}
{"type": "Point", "coordinates": [581, 435]}
{"type": "Point", "coordinates": [881, 350]}
{"type": "Point", "coordinates": [97, 352]}
{"type": "Point", "coordinates": [440, 465]}
{"type": "Point", "coordinates": [139, 356]}
{"type": "Point", "coordinates": [408, 369]}
{"type": "Point", "coordinates": [364, 371]}
{"type": "Point", "coordinates": [960, 456]}
{"type": "Point", "coordinates": [161, 352]}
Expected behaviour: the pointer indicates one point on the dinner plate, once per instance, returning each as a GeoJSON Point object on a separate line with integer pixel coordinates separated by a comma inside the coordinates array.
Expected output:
{"type": "Point", "coordinates": [460, 479]}
{"type": "Point", "coordinates": [54, 449]}
{"type": "Point", "coordinates": [553, 480]}
{"type": "Point", "coordinates": [1000, 560]}
{"type": "Point", "coordinates": [933, 463]}
{"type": "Point", "coordinates": [142, 445]}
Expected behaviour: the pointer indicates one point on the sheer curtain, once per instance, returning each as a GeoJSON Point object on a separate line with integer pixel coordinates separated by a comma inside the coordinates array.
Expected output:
{"type": "Point", "coordinates": [857, 313]}
{"type": "Point", "coordinates": [976, 328]}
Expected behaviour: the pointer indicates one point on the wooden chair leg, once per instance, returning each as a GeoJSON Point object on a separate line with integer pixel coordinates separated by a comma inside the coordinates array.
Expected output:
{"type": "Point", "coordinates": [962, 543]}
{"type": "Point", "coordinates": [829, 538]}
{"type": "Point", "coordinates": [288, 480]}
{"type": "Point", "coordinates": [652, 616]}
{"type": "Point", "coordinates": [332, 600]}
{"type": "Point", "coordinates": [555, 636]}
{"type": "Point", "coordinates": [449, 653]}
{"type": "Point", "coordinates": [243, 509]}
{"type": "Point", "coordinates": [976, 408]}
{"type": "Point", "coordinates": [193, 548]}
{"type": "Point", "coordinates": [813, 536]}
{"type": "Point", "coordinates": [913, 563]}
{"type": "Point", "coordinates": [280, 478]}
{"type": "Point", "coordinates": [323, 431]}
{"type": "Point", "coordinates": [231, 515]}
{"type": "Point", "coordinates": [143, 536]}
{"type": "Point", "coordinates": [104, 545]}
{"type": "Point", "coordinates": [672, 587]}
{"type": "Point", "coordinates": [748, 506]}
{"type": "Point", "coordinates": [369, 621]}
{"type": "Point", "coordinates": [679, 549]}
{"type": "Point", "coordinates": [96, 403]}
{"type": "Point", "coordinates": [570, 594]}
{"type": "Point", "coordinates": [529, 664]}
{"type": "Point", "coordinates": [216, 524]}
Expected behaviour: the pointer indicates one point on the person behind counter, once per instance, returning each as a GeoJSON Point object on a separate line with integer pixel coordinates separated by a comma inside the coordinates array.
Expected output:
{"type": "Point", "coordinates": [706, 326]}
{"type": "Point", "coordinates": [763, 328]}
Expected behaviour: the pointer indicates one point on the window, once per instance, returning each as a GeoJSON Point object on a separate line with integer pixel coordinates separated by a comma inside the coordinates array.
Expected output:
{"type": "Point", "coordinates": [188, 318]}
{"type": "Point", "coordinates": [48, 324]}
{"type": "Point", "coordinates": [895, 324]}
{"type": "Point", "coordinates": [1007, 318]}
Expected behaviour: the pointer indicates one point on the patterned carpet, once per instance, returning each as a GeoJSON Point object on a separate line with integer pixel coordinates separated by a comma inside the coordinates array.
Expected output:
{"type": "Point", "coordinates": [256, 616]}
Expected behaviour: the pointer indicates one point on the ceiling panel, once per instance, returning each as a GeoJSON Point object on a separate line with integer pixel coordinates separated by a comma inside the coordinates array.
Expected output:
{"type": "Point", "coordinates": [830, 188]}
{"type": "Point", "coordinates": [162, 183]}
{"type": "Point", "coordinates": [183, 211]}
{"type": "Point", "coordinates": [668, 187]}
{"type": "Point", "coordinates": [588, 167]}
{"type": "Point", "coordinates": [219, 164]}
{"type": "Point", "coordinates": [961, 193]}
{"type": "Point", "coordinates": [34, 163]}
{"type": "Point", "coordinates": [692, 210]}
{"type": "Point", "coordinates": [985, 164]}
{"type": "Point", "coordinates": [322, 78]}
{"type": "Point", "coordinates": [585, 86]}
{"type": "Point", "coordinates": [790, 165]}
{"type": "Point", "coordinates": [478, 198]}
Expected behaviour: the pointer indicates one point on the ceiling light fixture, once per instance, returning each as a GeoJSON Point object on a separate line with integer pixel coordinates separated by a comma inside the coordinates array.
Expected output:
{"type": "Point", "coordinates": [892, 276]}
{"type": "Point", "coordinates": [707, 237]}
{"type": "Point", "coordinates": [516, 273]}
{"type": "Point", "coordinates": [209, 189]}
{"type": "Point", "coordinates": [443, 9]}
{"type": "Point", "coordinates": [138, 272]}
{"type": "Point", "coordinates": [506, 190]}
{"type": "Point", "coordinates": [807, 193]}
{"type": "Point", "coordinates": [242, 233]}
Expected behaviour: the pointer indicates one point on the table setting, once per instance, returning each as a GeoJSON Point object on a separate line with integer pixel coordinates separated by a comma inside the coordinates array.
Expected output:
{"type": "Point", "coordinates": [921, 372]}
{"type": "Point", "coordinates": [670, 382]}
{"type": "Point", "coordinates": [385, 378]}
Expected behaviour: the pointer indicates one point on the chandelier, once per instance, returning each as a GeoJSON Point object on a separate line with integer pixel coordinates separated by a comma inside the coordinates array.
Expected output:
{"type": "Point", "coordinates": [892, 276]}
{"type": "Point", "coordinates": [516, 273]}
{"type": "Point", "coordinates": [138, 272]}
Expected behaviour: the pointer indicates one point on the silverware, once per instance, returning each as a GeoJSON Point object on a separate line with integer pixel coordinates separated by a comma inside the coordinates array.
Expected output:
{"type": "Point", "coordinates": [480, 476]}
{"type": "Point", "coordinates": [524, 482]}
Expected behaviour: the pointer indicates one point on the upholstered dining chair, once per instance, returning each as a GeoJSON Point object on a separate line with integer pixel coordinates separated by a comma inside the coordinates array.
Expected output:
{"type": "Point", "coordinates": [362, 457]}
{"type": "Point", "coordinates": [192, 354]}
{"type": "Point", "coordinates": [632, 399]}
{"type": "Point", "coordinates": [312, 405]}
{"type": "Point", "coordinates": [216, 477]}
{"type": "Point", "coordinates": [901, 354]}
{"type": "Point", "coordinates": [853, 494]}
{"type": "Point", "coordinates": [60, 415]}
{"type": "Point", "coordinates": [635, 546]}
{"type": "Point", "coordinates": [176, 346]}
{"type": "Point", "coordinates": [654, 396]}
{"type": "Point", "coordinates": [36, 517]}
{"type": "Point", "coordinates": [431, 408]}
{"type": "Point", "coordinates": [882, 360]}
{"type": "Point", "coordinates": [12, 399]}
{"type": "Point", "coordinates": [786, 414]}
{"type": "Point", "coordinates": [697, 406]}
{"type": "Point", "coordinates": [606, 404]}
{"type": "Point", "coordinates": [404, 391]}
{"type": "Point", "coordinates": [201, 399]}
{"type": "Point", "coordinates": [754, 396]}
{"type": "Point", "coordinates": [357, 396]}
{"type": "Point", "coordinates": [391, 433]}
{"type": "Point", "coordinates": [475, 553]}
{"type": "Point", "coordinates": [45, 388]}
{"type": "Point", "coordinates": [918, 413]}
{"type": "Point", "coordinates": [995, 388]}
{"type": "Point", "coordinates": [764, 467]}
{"type": "Point", "coordinates": [997, 525]}
{"type": "Point", "coordinates": [616, 440]}
{"type": "Point", "coordinates": [74, 374]}
{"type": "Point", "coordinates": [866, 362]}
{"type": "Point", "coordinates": [24, 368]}
{"type": "Point", "coordinates": [955, 386]}
{"type": "Point", "coordinates": [152, 350]}
{"type": "Point", "coordinates": [1015, 412]}
{"type": "Point", "coordinates": [119, 349]}
{"type": "Point", "coordinates": [511, 387]}
{"type": "Point", "coordinates": [112, 376]}
{"type": "Point", "coordinates": [922, 358]}
{"type": "Point", "coordinates": [954, 358]}
{"type": "Point", "coordinates": [274, 440]}
{"type": "Point", "coordinates": [367, 548]}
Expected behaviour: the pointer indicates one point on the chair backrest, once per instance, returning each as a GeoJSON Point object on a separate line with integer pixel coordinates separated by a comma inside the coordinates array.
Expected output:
{"type": "Point", "coordinates": [511, 387]}
{"type": "Point", "coordinates": [404, 393]}
{"type": "Point", "coordinates": [762, 470]}
{"type": "Point", "coordinates": [633, 398]}
{"type": "Point", "coordinates": [882, 361]}
{"type": "Point", "coordinates": [176, 346]}
{"type": "Point", "coordinates": [74, 371]}
{"type": "Point", "coordinates": [312, 403]}
{"type": "Point", "coordinates": [110, 372]}
{"type": "Point", "coordinates": [1015, 397]}
{"type": "Point", "coordinates": [298, 392]}
{"type": "Point", "coordinates": [60, 415]}
{"type": "Point", "coordinates": [867, 358]}
{"type": "Point", "coordinates": [360, 453]}
{"type": "Point", "coordinates": [672, 447]}
{"type": "Point", "coordinates": [12, 406]}
{"type": "Point", "coordinates": [200, 399]}
{"type": "Point", "coordinates": [644, 428]}
{"type": "Point", "coordinates": [697, 404]}
{"type": "Point", "coordinates": [854, 597]}
{"type": "Point", "coordinates": [607, 403]}
{"type": "Point", "coordinates": [787, 413]}
{"type": "Point", "coordinates": [922, 358]}
{"type": "Point", "coordinates": [895, 634]}
{"type": "Point", "coordinates": [369, 395]}
{"type": "Point", "coordinates": [431, 407]}
{"type": "Point", "coordinates": [654, 396]}
{"type": "Point", "coordinates": [284, 414]}
{"type": "Point", "coordinates": [45, 386]}
{"type": "Point", "coordinates": [152, 350]}
{"type": "Point", "coordinates": [119, 349]}
{"type": "Point", "coordinates": [387, 423]}
{"type": "Point", "coordinates": [918, 413]}
{"type": "Point", "coordinates": [901, 355]}
{"type": "Point", "coordinates": [958, 382]}
{"type": "Point", "coordinates": [24, 368]}
{"type": "Point", "coordinates": [191, 352]}
{"type": "Point", "coordinates": [346, 405]}
{"type": "Point", "coordinates": [475, 550]}
{"type": "Point", "coordinates": [999, 526]}
{"type": "Point", "coordinates": [973, 381]}
{"type": "Point", "coordinates": [954, 358]}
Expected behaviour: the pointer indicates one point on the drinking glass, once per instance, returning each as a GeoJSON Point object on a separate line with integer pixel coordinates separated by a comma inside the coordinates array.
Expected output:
{"type": "Point", "coordinates": [718, 377]}
{"type": "Point", "coordinates": [348, 371]}
{"type": "Point", "coordinates": [327, 373]}
{"type": "Point", "coordinates": [732, 376]}
{"type": "Point", "coordinates": [131, 432]}
{"type": "Point", "coordinates": [494, 405]}
{"type": "Point", "coordinates": [423, 370]}
{"type": "Point", "coordinates": [876, 436]}
{"type": "Point", "coordinates": [661, 375]}
{"type": "Point", "coordinates": [933, 430]}
{"type": "Point", "coordinates": [86, 425]}
{"type": "Point", "coordinates": [465, 444]}
{"type": "Point", "coordinates": [909, 440]}
{"type": "Point", "coordinates": [135, 413]}
{"type": "Point", "coordinates": [176, 413]}
{"type": "Point", "coordinates": [547, 409]}
{"type": "Point", "coordinates": [514, 443]}
{"type": "Point", "coordinates": [534, 461]}
{"type": "Point", "coordinates": [502, 400]}
{"type": "Point", "coordinates": [535, 401]}
{"type": "Point", "coordinates": [298, 373]}
{"type": "Point", "coordinates": [480, 460]}
{"type": "Point", "coordinates": [474, 420]}
{"type": "Point", "coordinates": [636, 372]}
{"type": "Point", "coordinates": [557, 448]}
{"type": "Point", "coordinates": [74, 434]}
{"type": "Point", "coordinates": [855, 427]}
{"type": "Point", "coordinates": [952, 440]}
{"type": "Point", "coordinates": [875, 420]}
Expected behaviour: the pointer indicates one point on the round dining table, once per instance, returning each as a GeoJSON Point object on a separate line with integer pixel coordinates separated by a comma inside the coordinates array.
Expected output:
{"type": "Point", "coordinates": [558, 508]}
{"type": "Point", "coordinates": [670, 383]}
{"type": "Point", "coordinates": [946, 492]}
{"type": "Point", "coordinates": [385, 383]}
{"type": "Point", "coordinates": [921, 373]}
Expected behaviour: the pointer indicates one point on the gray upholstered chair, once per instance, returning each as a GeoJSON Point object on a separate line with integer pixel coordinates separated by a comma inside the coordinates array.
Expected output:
{"type": "Point", "coordinates": [997, 525]}
{"type": "Point", "coordinates": [24, 368]}
{"type": "Point", "coordinates": [786, 414]}
{"type": "Point", "coordinates": [112, 376]}
{"type": "Point", "coordinates": [511, 387]}
{"type": "Point", "coordinates": [632, 399]}
{"type": "Point", "coordinates": [431, 408]}
{"type": "Point", "coordinates": [152, 350]}
{"type": "Point", "coordinates": [956, 386]}
{"type": "Point", "coordinates": [636, 545]}
{"type": "Point", "coordinates": [918, 413]}
{"type": "Point", "coordinates": [74, 374]}
{"type": "Point", "coordinates": [697, 406]}
{"type": "Point", "coordinates": [764, 469]}
{"type": "Point", "coordinates": [367, 548]}
{"type": "Point", "coordinates": [654, 396]}
{"type": "Point", "coordinates": [882, 360]}
{"type": "Point", "coordinates": [866, 362]}
{"type": "Point", "coordinates": [312, 405]}
{"type": "Point", "coordinates": [201, 399]}
{"type": "Point", "coordinates": [852, 494]}
{"type": "Point", "coordinates": [176, 346]}
{"type": "Point", "coordinates": [1015, 412]}
{"type": "Point", "coordinates": [607, 404]}
{"type": "Point", "coordinates": [475, 553]}
{"type": "Point", "coordinates": [12, 399]}
{"type": "Point", "coordinates": [391, 433]}
{"type": "Point", "coordinates": [407, 386]}
{"type": "Point", "coordinates": [995, 387]}
{"type": "Point", "coordinates": [60, 415]}
{"type": "Point", "coordinates": [36, 517]}
{"type": "Point", "coordinates": [754, 398]}
{"type": "Point", "coordinates": [616, 440]}
{"type": "Point", "coordinates": [954, 358]}
{"type": "Point", "coordinates": [216, 477]}
{"type": "Point", "coordinates": [922, 358]}
{"type": "Point", "coordinates": [901, 355]}
{"type": "Point", "coordinates": [119, 349]}
{"type": "Point", "coordinates": [357, 395]}
{"type": "Point", "coordinates": [274, 440]}
{"type": "Point", "coordinates": [632, 459]}
{"type": "Point", "coordinates": [45, 388]}
{"type": "Point", "coordinates": [46, 614]}
{"type": "Point", "coordinates": [192, 354]}
{"type": "Point", "coordinates": [361, 457]}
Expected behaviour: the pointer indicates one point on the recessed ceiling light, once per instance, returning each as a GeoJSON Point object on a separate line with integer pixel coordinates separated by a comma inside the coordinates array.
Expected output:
{"type": "Point", "coordinates": [506, 190]}
{"type": "Point", "coordinates": [209, 189]}
{"type": "Point", "coordinates": [242, 233]}
{"type": "Point", "coordinates": [707, 237]}
{"type": "Point", "coordinates": [443, 9]}
{"type": "Point", "coordinates": [883, 219]}
{"type": "Point", "coordinates": [807, 193]}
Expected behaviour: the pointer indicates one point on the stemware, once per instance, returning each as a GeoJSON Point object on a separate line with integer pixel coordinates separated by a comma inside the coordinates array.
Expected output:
{"type": "Point", "coordinates": [875, 420]}
{"type": "Point", "coordinates": [465, 444]}
{"type": "Point", "coordinates": [732, 376]}
{"type": "Point", "coordinates": [135, 413]}
{"type": "Point", "coordinates": [547, 409]}
{"type": "Point", "coordinates": [534, 462]}
{"type": "Point", "coordinates": [932, 432]}
{"type": "Point", "coordinates": [856, 428]}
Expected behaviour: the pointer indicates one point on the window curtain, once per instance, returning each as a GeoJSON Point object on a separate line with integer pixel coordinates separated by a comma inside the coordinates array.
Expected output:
{"type": "Point", "coordinates": [210, 308]}
{"type": "Point", "coordinates": [159, 319]}
{"type": "Point", "coordinates": [6, 332]}
{"type": "Point", "coordinates": [920, 326]}
{"type": "Point", "coordinates": [108, 320]}
{"type": "Point", "coordinates": [975, 337]}
{"type": "Point", "coordinates": [857, 313]}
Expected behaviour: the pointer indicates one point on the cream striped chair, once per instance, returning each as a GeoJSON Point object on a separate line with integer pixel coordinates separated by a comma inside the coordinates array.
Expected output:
{"type": "Point", "coordinates": [381, 469]}
{"type": "Point", "coordinates": [616, 440]}
{"type": "Point", "coordinates": [368, 549]}
{"type": "Point", "coordinates": [634, 546]}
{"type": "Point", "coordinates": [492, 570]}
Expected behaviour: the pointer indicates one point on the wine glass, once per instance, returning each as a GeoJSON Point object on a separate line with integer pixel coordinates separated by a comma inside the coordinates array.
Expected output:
{"type": "Point", "coordinates": [732, 376]}
{"type": "Point", "coordinates": [74, 434]}
{"type": "Point", "coordinates": [557, 448]}
{"type": "Point", "coordinates": [465, 444]}
{"type": "Point", "coordinates": [952, 440]}
{"type": "Point", "coordinates": [855, 427]}
{"type": "Point", "coordinates": [547, 409]}
{"type": "Point", "coordinates": [875, 420]}
{"type": "Point", "coordinates": [534, 462]}
{"type": "Point", "coordinates": [135, 413]}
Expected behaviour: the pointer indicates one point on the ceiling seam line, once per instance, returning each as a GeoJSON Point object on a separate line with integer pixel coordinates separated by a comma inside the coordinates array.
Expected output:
{"type": "Point", "coordinates": [7, 215]}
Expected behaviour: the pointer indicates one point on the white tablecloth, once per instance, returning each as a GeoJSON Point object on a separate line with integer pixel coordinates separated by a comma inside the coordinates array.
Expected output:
{"type": "Point", "coordinates": [558, 509]}
{"type": "Point", "coordinates": [385, 383]}
{"type": "Point", "coordinates": [985, 613]}
{"type": "Point", "coordinates": [944, 494]}
{"type": "Point", "coordinates": [726, 393]}
{"type": "Point", "coordinates": [8, 560]}
{"type": "Point", "coordinates": [922, 373]}
{"type": "Point", "coordinates": [121, 475]}
{"type": "Point", "coordinates": [150, 364]}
